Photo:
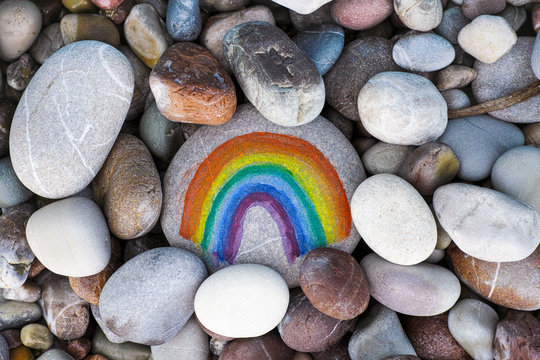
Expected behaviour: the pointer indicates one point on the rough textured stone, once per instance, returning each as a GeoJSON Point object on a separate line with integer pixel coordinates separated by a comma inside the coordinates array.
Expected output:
{"type": "Point", "coordinates": [128, 305]}
{"type": "Point", "coordinates": [509, 74]}
{"type": "Point", "coordinates": [334, 283]}
{"type": "Point", "coordinates": [190, 86]}
{"type": "Point", "coordinates": [487, 38]}
{"type": "Point", "coordinates": [276, 76]}
{"type": "Point", "coordinates": [70, 237]}
{"type": "Point", "coordinates": [28, 292]}
{"type": "Point", "coordinates": [429, 166]}
{"type": "Point", "coordinates": [20, 23]}
{"type": "Point", "coordinates": [244, 300]}
{"type": "Point", "coordinates": [431, 338]}
{"type": "Point", "coordinates": [345, 79]}
{"type": "Point", "coordinates": [451, 24]}
{"type": "Point", "coordinates": [48, 42]}
{"type": "Point", "coordinates": [268, 347]}
{"type": "Point", "coordinates": [305, 328]}
{"type": "Point", "coordinates": [360, 14]}
{"type": "Point", "coordinates": [517, 336]}
{"type": "Point", "coordinates": [79, 348]}
{"type": "Point", "coordinates": [418, 290]}
{"type": "Point", "coordinates": [12, 191]}
{"type": "Point", "coordinates": [128, 189]}
{"type": "Point", "coordinates": [57, 151]}
{"type": "Point", "coordinates": [16, 255]}
{"type": "Point", "coordinates": [123, 351]}
{"type": "Point", "coordinates": [423, 52]}
{"type": "Point", "coordinates": [36, 336]}
{"type": "Point", "coordinates": [423, 15]}
{"type": "Point", "coordinates": [141, 88]}
{"type": "Point", "coordinates": [506, 283]}
{"type": "Point", "coordinates": [378, 334]}
{"type": "Point", "coordinates": [191, 342]}
{"type": "Point", "coordinates": [487, 224]}
{"type": "Point", "coordinates": [455, 76]}
{"type": "Point", "coordinates": [184, 19]}
{"type": "Point", "coordinates": [16, 314]}
{"type": "Point", "coordinates": [472, 323]}
{"type": "Point", "coordinates": [264, 238]}
{"type": "Point", "coordinates": [402, 108]}
{"type": "Point", "coordinates": [393, 219]}
{"type": "Point", "coordinates": [78, 27]}
{"type": "Point", "coordinates": [474, 8]}
{"type": "Point", "coordinates": [302, 6]}
{"type": "Point", "coordinates": [478, 141]}
{"type": "Point", "coordinates": [20, 72]}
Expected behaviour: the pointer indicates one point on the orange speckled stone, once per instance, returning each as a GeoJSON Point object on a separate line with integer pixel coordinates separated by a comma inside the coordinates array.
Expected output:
{"type": "Point", "coordinates": [190, 86]}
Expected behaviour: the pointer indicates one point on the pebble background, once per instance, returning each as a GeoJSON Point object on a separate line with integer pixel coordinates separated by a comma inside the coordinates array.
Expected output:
{"type": "Point", "coordinates": [269, 180]}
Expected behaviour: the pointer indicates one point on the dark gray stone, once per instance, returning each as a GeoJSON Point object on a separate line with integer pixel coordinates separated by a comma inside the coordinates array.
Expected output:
{"type": "Point", "coordinates": [47, 43]}
{"type": "Point", "coordinates": [452, 22]}
{"type": "Point", "coordinates": [16, 314]}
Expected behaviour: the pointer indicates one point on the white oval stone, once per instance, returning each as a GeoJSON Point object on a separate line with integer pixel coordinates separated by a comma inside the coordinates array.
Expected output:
{"type": "Point", "coordinates": [421, 15]}
{"type": "Point", "coordinates": [244, 300]}
{"type": "Point", "coordinates": [487, 224]}
{"type": "Point", "coordinates": [20, 24]}
{"type": "Point", "coordinates": [402, 108]}
{"type": "Point", "coordinates": [394, 220]}
{"type": "Point", "coordinates": [70, 237]}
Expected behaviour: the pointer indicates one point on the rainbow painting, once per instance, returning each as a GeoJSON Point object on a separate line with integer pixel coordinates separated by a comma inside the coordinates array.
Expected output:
{"type": "Point", "coordinates": [287, 176]}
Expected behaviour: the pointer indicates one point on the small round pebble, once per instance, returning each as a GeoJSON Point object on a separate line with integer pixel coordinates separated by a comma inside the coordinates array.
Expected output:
{"type": "Point", "coordinates": [384, 158]}
{"type": "Point", "coordinates": [456, 99]}
{"type": "Point", "coordinates": [20, 24]}
{"type": "Point", "coordinates": [423, 52]}
{"type": "Point", "coordinates": [184, 19]}
{"type": "Point", "coordinates": [360, 14]}
{"type": "Point", "coordinates": [36, 336]}
{"type": "Point", "coordinates": [455, 76]}
{"type": "Point", "coordinates": [421, 15]}
{"type": "Point", "coordinates": [78, 27]}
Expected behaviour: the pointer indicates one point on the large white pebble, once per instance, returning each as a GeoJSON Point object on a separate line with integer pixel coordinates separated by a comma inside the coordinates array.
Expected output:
{"type": "Point", "coordinates": [70, 237]}
{"type": "Point", "coordinates": [402, 108]}
{"type": "Point", "coordinates": [244, 300]}
{"type": "Point", "coordinates": [394, 220]}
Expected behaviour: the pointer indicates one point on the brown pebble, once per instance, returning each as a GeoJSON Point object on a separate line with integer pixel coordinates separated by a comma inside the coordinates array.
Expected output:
{"type": "Point", "coordinates": [431, 338]}
{"type": "Point", "coordinates": [35, 268]}
{"type": "Point", "coordinates": [89, 287]}
{"type": "Point", "coordinates": [190, 85]}
{"type": "Point", "coordinates": [119, 14]}
{"type": "Point", "coordinates": [517, 337]}
{"type": "Point", "coordinates": [532, 134]}
{"type": "Point", "coordinates": [268, 347]}
{"type": "Point", "coordinates": [128, 188]}
{"type": "Point", "coordinates": [454, 77]}
{"type": "Point", "coordinates": [306, 329]}
{"type": "Point", "coordinates": [79, 348]}
{"type": "Point", "coordinates": [21, 353]}
{"type": "Point", "coordinates": [138, 246]}
{"type": "Point", "coordinates": [78, 27]}
{"type": "Point", "coordinates": [13, 337]}
{"type": "Point", "coordinates": [334, 283]}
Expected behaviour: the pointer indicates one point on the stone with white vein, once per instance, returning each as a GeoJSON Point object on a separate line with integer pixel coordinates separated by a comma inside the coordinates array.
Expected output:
{"type": "Point", "coordinates": [69, 116]}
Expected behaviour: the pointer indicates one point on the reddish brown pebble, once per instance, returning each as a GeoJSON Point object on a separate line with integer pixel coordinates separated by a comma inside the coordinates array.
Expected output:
{"type": "Point", "coordinates": [334, 283]}
{"type": "Point", "coordinates": [517, 337]}
{"type": "Point", "coordinates": [361, 14]}
{"type": "Point", "coordinates": [506, 283]}
{"type": "Point", "coordinates": [306, 329]}
{"type": "Point", "coordinates": [79, 348]}
{"type": "Point", "coordinates": [13, 338]}
{"type": "Point", "coordinates": [268, 347]}
{"type": "Point", "coordinates": [35, 268]}
{"type": "Point", "coordinates": [431, 338]}
{"type": "Point", "coordinates": [190, 86]}
{"type": "Point", "coordinates": [107, 4]}
{"type": "Point", "coordinates": [89, 287]}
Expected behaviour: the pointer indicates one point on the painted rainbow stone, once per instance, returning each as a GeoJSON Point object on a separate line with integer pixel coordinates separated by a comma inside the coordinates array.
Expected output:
{"type": "Point", "coordinates": [251, 191]}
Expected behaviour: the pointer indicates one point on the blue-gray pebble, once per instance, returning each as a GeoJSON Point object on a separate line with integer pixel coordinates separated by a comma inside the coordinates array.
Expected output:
{"type": "Point", "coordinates": [423, 52]}
{"type": "Point", "coordinates": [12, 190]}
{"type": "Point", "coordinates": [323, 44]}
{"type": "Point", "coordinates": [184, 19]}
{"type": "Point", "coordinates": [4, 349]}
{"type": "Point", "coordinates": [478, 141]}
{"type": "Point", "coordinates": [452, 22]}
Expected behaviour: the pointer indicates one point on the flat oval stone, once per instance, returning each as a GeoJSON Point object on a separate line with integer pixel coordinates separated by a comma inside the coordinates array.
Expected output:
{"type": "Point", "coordinates": [302, 6]}
{"type": "Point", "coordinates": [146, 33]}
{"type": "Point", "coordinates": [245, 300]}
{"type": "Point", "coordinates": [255, 155]}
{"type": "Point", "coordinates": [36, 336]}
{"type": "Point", "coordinates": [517, 173]}
{"type": "Point", "coordinates": [504, 283]}
{"type": "Point", "coordinates": [16, 314]}
{"type": "Point", "coordinates": [487, 224]}
{"type": "Point", "coordinates": [423, 52]}
{"type": "Point", "coordinates": [48, 42]}
{"type": "Point", "coordinates": [456, 99]}
{"type": "Point", "coordinates": [360, 14]}
{"type": "Point", "coordinates": [510, 73]}
{"type": "Point", "coordinates": [162, 136]}
{"type": "Point", "coordinates": [452, 22]}
{"type": "Point", "coordinates": [474, 8]}
{"type": "Point", "coordinates": [184, 19]}
{"type": "Point", "coordinates": [28, 292]}
{"type": "Point", "coordinates": [55, 151]}
{"type": "Point", "coordinates": [306, 329]}
{"type": "Point", "coordinates": [128, 189]}
{"type": "Point", "coordinates": [129, 307]}
{"type": "Point", "coordinates": [394, 220]}
{"type": "Point", "coordinates": [429, 166]}
{"type": "Point", "coordinates": [402, 108]}
{"type": "Point", "coordinates": [217, 26]}
{"type": "Point", "coordinates": [455, 76]}
{"type": "Point", "coordinates": [379, 334]}
{"type": "Point", "coordinates": [423, 15]}
{"type": "Point", "coordinates": [472, 323]}
{"type": "Point", "coordinates": [323, 44]}
{"type": "Point", "coordinates": [478, 141]}
{"type": "Point", "coordinates": [431, 338]}
{"type": "Point", "coordinates": [191, 342]}
{"type": "Point", "coordinates": [516, 336]}
{"type": "Point", "coordinates": [12, 191]}
{"type": "Point", "coordinates": [190, 85]}
{"type": "Point", "coordinates": [334, 283]}
{"type": "Point", "coordinates": [70, 237]}
{"type": "Point", "coordinates": [419, 290]}
{"type": "Point", "coordinates": [276, 76]}
{"type": "Point", "coordinates": [20, 24]}
{"type": "Point", "coordinates": [268, 347]}
{"type": "Point", "coordinates": [487, 38]}
{"type": "Point", "coordinates": [78, 27]}
{"type": "Point", "coordinates": [345, 79]}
